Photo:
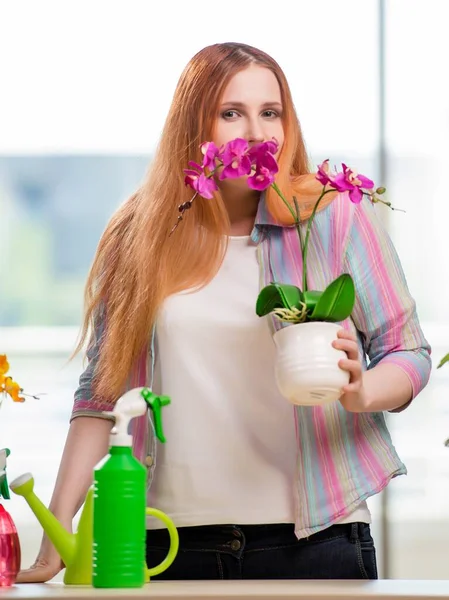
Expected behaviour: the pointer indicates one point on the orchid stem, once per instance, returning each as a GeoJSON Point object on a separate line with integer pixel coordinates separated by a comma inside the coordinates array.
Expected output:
{"type": "Point", "coordinates": [190, 202]}
{"type": "Point", "coordinates": [298, 224]}
{"type": "Point", "coordinates": [296, 217]}
{"type": "Point", "coordinates": [306, 241]}
{"type": "Point", "coordinates": [284, 199]}
{"type": "Point", "coordinates": [294, 214]}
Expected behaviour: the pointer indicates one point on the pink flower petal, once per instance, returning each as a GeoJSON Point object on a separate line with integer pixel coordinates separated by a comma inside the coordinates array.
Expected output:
{"type": "Point", "coordinates": [365, 183]}
{"type": "Point", "coordinates": [235, 148]}
{"type": "Point", "coordinates": [340, 182]}
{"type": "Point", "coordinates": [262, 148]}
{"type": "Point", "coordinates": [210, 152]}
{"type": "Point", "coordinates": [261, 180]}
{"type": "Point", "coordinates": [239, 167]}
{"type": "Point", "coordinates": [191, 173]}
{"type": "Point", "coordinates": [267, 161]}
{"type": "Point", "coordinates": [195, 166]}
{"type": "Point", "coordinates": [190, 178]}
{"type": "Point", "coordinates": [323, 174]}
{"type": "Point", "coordinates": [205, 186]}
{"type": "Point", "coordinates": [355, 195]}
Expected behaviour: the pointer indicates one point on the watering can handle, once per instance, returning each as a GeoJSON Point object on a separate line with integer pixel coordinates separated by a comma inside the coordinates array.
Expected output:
{"type": "Point", "coordinates": [174, 543]}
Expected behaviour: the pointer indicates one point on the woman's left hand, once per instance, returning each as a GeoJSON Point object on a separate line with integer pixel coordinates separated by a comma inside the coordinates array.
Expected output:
{"type": "Point", "coordinates": [353, 396]}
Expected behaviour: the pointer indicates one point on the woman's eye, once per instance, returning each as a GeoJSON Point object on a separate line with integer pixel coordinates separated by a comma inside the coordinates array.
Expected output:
{"type": "Point", "coordinates": [271, 114]}
{"type": "Point", "coordinates": [229, 114]}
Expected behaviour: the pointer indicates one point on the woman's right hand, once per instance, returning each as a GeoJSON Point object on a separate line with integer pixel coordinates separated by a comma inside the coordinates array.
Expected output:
{"type": "Point", "coordinates": [47, 564]}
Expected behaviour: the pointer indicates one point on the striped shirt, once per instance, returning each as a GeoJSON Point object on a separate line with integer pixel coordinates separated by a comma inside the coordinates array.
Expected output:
{"type": "Point", "coordinates": [343, 457]}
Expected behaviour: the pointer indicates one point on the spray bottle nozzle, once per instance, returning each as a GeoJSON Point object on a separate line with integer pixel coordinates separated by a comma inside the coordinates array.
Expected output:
{"type": "Point", "coordinates": [127, 407]}
{"type": "Point", "coordinates": [156, 403]}
{"type": "Point", "coordinates": [134, 404]}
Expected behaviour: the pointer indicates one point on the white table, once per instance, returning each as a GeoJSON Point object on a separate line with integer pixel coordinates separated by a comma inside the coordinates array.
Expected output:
{"type": "Point", "coordinates": [393, 589]}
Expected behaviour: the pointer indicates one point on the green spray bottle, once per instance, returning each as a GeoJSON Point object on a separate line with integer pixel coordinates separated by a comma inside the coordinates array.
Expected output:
{"type": "Point", "coordinates": [119, 502]}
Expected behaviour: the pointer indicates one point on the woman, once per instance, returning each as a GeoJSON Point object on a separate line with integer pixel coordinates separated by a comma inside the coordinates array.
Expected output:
{"type": "Point", "coordinates": [257, 488]}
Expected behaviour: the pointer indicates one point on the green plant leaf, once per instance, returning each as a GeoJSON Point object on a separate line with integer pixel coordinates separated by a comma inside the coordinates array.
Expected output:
{"type": "Point", "coordinates": [444, 360]}
{"type": "Point", "coordinates": [278, 295]}
{"type": "Point", "coordinates": [336, 302]}
{"type": "Point", "coordinates": [311, 298]}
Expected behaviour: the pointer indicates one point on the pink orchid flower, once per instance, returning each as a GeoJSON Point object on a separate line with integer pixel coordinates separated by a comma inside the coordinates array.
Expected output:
{"type": "Point", "coordinates": [192, 173]}
{"type": "Point", "coordinates": [210, 153]}
{"type": "Point", "coordinates": [202, 184]}
{"type": "Point", "coordinates": [238, 158]}
{"type": "Point", "coordinates": [262, 179]}
{"type": "Point", "coordinates": [205, 186]}
{"type": "Point", "coordinates": [323, 174]}
{"type": "Point", "coordinates": [266, 168]}
{"type": "Point", "coordinates": [345, 181]}
{"type": "Point", "coordinates": [270, 147]}
{"type": "Point", "coordinates": [235, 159]}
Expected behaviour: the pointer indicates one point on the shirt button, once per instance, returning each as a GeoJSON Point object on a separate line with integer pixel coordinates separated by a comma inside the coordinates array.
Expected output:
{"type": "Point", "coordinates": [236, 545]}
{"type": "Point", "coordinates": [149, 461]}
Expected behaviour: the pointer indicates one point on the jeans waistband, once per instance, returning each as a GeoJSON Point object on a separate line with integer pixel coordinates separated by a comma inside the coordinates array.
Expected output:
{"type": "Point", "coordinates": [234, 538]}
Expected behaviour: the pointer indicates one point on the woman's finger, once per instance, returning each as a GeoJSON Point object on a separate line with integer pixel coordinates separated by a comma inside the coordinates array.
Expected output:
{"type": "Point", "coordinates": [353, 366]}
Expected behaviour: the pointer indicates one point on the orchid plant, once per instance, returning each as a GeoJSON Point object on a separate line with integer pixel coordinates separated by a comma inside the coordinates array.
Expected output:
{"type": "Point", "coordinates": [257, 162]}
{"type": "Point", "coordinates": [9, 387]}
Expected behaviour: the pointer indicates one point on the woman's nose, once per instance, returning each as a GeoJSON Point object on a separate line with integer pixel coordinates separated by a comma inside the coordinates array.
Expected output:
{"type": "Point", "coordinates": [255, 132]}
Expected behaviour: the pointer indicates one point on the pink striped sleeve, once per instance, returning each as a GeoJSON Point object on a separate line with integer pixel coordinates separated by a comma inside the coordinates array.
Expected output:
{"type": "Point", "coordinates": [85, 404]}
{"type": "Point", "coordinates": [385, 312]}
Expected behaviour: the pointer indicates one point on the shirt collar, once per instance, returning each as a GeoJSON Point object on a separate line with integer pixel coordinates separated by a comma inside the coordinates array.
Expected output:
{"type": "Point", "coordinates": [264, 222]}
{"type": "Point", "coordinates": [263, 215]}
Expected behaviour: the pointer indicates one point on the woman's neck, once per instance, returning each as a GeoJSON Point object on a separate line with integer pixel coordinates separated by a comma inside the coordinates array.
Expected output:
{"type": "Point", "coordinates": [242, 209]}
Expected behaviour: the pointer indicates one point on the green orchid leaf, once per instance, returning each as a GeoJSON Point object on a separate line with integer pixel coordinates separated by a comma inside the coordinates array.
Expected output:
{"type": "Point", "coordinates": [444, 360]}
{"type": "Point", "coordinates": [336, 302]}
{"type": "Point", "coordinates": [278, 295]}
{"type": "Point", "coordinates": [311, 298]}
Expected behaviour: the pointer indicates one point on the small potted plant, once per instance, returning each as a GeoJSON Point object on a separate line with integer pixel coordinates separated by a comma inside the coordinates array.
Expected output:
{"type": "Point", "coordinates": [9, 540]}
{"type": "Point", "coordinates": [307, 370]}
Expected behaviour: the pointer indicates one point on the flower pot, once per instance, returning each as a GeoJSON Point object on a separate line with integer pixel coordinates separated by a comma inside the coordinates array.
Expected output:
{"type": "Point", "coordinates": [306, 368]}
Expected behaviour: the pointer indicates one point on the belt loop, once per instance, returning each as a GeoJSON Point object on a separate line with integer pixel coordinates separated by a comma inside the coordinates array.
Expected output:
{"type": "Point", "coordinates": [354, 536]}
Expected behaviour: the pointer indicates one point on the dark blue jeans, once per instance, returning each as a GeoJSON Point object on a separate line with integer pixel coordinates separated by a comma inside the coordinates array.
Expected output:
{"type": "Point", "coordinates": [266, 552]}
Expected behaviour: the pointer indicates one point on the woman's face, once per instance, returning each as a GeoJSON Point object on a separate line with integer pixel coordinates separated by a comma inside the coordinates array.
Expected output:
{"type": "Point", "coordinates": [251, 108]}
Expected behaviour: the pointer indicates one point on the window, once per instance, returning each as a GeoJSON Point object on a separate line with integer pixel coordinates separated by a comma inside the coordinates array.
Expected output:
{"type": "Point", "coordinates": [79, 127]}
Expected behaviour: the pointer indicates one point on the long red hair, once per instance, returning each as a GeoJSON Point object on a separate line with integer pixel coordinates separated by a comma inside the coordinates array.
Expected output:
{"type": "Point", "coordinates": [137, 264]}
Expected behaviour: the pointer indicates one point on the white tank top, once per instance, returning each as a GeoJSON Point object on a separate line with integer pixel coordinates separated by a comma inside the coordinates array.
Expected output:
{"type": "Point", "coordinates": [231, 448]}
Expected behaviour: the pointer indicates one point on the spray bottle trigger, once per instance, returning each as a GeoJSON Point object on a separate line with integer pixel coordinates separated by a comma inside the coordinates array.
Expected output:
{"type": "Point", "coordinates": [156, 403]}
{"type": "Point", "coordinates": [4, 488]}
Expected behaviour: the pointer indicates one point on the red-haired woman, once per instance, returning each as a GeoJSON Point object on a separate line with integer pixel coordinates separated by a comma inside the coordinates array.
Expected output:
{"type": "Point", "coordinates": [257, 488]}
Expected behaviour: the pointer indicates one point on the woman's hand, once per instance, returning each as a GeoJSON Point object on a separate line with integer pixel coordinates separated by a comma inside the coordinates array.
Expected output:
{"type": "Point", "coordinates": [47, 564]}
{"type": "Point", "coordinates": [353, 396]}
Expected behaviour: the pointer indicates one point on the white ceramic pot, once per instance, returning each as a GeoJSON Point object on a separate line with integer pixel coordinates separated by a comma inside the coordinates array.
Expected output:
{"type": "Point", "coordinates": [306, 368]}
